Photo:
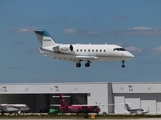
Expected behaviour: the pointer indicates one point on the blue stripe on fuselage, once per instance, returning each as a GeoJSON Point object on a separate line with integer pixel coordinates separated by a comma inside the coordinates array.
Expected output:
{"type": "Point", "coordinates": [42, 32]}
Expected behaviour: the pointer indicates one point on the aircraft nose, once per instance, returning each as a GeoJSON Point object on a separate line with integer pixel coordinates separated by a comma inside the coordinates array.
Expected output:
{"type": "Point", "coordinates": [27, 108]}
{"type": "Point", "coordinates": [130, 55]}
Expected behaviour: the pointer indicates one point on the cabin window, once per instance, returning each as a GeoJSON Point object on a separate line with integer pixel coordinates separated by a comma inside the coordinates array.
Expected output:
{"type": "Point", "coordinates": [100, 50]}
{"type": "Point", "coordinates": [85, 50]}
{"type": "Point", "coordinates": [96, 50]}
{"type": "Point", "coordinates": [81, 50]}
{"type": "Point", "coordinates": [77, 50]}
{"type": "Point", "coordinates": [89, 50]}
{"type": "Point", "coordinates": [104, 50]}
{"type": "Point", "coordinates": [92, 50]}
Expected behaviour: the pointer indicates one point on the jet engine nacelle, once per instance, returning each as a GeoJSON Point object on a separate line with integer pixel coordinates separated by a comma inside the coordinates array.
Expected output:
{"type": "Point", "coordinates": [63, 48]}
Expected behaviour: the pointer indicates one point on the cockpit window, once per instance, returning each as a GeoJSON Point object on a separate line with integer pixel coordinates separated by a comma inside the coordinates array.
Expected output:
{"type": "Point", "coordinates": [119, 49]}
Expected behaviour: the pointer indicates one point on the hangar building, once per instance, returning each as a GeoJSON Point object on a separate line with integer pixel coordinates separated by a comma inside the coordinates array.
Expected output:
{"type": "Point", "coordinates": [111, 97]}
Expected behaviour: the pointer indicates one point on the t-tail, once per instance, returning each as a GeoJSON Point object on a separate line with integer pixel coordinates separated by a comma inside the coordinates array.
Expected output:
{"type": "Point", "coordinates": [63, 103]}
{"type": "Point", "coordinates": [127, 107]}
{"type": "Point", "coordinates": [44, 37]}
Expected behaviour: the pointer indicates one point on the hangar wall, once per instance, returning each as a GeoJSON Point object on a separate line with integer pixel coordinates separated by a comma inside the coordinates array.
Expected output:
{"type": "Point", "coordinates": [144, 95]}
{"type": "Point", "coordinates": [111, 97]}
{"type": "Point", "coordinates": [96, 93]}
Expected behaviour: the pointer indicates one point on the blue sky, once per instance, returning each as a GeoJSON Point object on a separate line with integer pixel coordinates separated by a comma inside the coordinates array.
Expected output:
{"type": "Point", "coordinates": [133, 24]}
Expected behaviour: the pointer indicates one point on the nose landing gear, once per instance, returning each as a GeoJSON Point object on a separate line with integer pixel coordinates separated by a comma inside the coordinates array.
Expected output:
{"type": "Point", "coordinates": [78, 64]}
{"type": "Point", "coordinates": [123, 66]}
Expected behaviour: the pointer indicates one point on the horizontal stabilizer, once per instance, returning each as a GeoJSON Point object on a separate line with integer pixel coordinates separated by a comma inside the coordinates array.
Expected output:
{"type": "Point", "coordinates": [43, 54]}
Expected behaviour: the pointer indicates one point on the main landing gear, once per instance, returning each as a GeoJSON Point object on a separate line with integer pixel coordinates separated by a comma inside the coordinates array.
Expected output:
{"type": "Point", "coordinates": [78, 64]}
{"type": "Point", "coordinates": [87, 64]}
{"type": "Point", "coordinates": [123, 61]}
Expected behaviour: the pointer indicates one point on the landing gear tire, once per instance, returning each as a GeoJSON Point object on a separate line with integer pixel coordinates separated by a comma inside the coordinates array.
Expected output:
{"type": "Point", "coordinates": [2, 113]}
{"type": "Point", "coordinates": [86, 115]}
{"type": "Point", "coordinates": [87, 64]}
{"type": "Point", "coordinates": [123, 64]}
{"type": "Point", "coordinates": [78, 65]}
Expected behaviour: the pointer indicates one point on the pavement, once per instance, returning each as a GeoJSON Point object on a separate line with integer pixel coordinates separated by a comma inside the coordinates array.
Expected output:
{"type": "Point", "coordinates": [81, 119]}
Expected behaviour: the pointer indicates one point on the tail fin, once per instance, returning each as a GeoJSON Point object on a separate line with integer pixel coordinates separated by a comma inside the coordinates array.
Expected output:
{"type": "Point", "coordinates": [127, 107]}
{"type": "Point", "coordinates": [44, 38]}
{"type": "Point", "coordinates": [62, 101]}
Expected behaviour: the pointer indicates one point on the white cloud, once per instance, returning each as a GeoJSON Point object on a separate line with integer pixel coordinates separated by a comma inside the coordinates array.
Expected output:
{"type": "Point", "coordinates": [142, 28]}
{"type": "Point", "coordinates": [69, 31]}
{"type": "Point", "coordinates": [156, 50]}
{"type": "Point", "coordinates": [23, 30]}
{"type": "Point", "coordinates": [85, 32]}
{"type": "Point", "coordinates": [139, 31]}
{"type": "Point", "coordinates": [134, 49]}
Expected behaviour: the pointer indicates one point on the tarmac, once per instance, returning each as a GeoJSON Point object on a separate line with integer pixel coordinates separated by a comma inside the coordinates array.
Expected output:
{"type": "Point", "coordinates": [86, 119]}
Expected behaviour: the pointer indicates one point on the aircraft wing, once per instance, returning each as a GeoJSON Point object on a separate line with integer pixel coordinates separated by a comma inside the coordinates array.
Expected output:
{"type": "Point", "coordinates": [146, 111]}
{"type": "Point", "coordinates": [74, 58]}
{"type": "Point", "coordinates": [55, 105]}
{"type": "Point", "coordinates": [86, 57]}
{"type": "Point", "coordinates": [81, 58]}
{"type": "Point", "coordinates": [68, 57]}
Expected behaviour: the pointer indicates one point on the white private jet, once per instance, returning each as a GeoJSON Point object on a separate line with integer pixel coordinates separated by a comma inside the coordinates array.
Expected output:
{"type": "Point", "coordinates": [13, 108]}
{"type": "Point", "coordinates": [80, 52]}
{"type": "Point", "coordinates": [135, 110]}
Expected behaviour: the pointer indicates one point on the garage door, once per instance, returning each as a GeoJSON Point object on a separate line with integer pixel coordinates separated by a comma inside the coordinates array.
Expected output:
{"type": "Point", "coordinates": [119, 103]}
{"type": "Point", "coordinates": [148, 102]}
{"type": "Point", "coordinates": [158, 103]}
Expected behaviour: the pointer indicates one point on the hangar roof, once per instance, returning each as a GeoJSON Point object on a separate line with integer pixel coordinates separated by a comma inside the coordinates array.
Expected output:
{"type": "Point", "coordinates": [80, 87]}
{"type": "Point", "coordinates": [41, 88]}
